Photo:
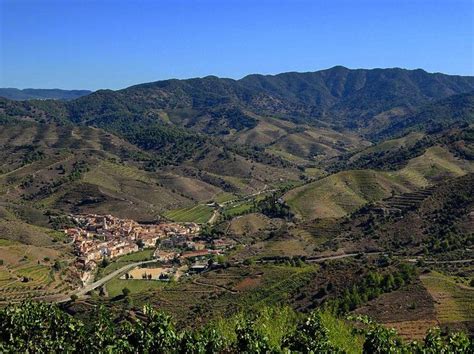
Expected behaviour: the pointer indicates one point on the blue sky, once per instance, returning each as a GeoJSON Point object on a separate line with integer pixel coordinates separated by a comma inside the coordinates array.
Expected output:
{"type": "Point", "coordinates": [92, 44]}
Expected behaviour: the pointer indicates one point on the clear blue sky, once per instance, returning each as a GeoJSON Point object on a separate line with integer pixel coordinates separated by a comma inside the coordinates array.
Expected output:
{"type": "Point", "coordinates": [91, 44]}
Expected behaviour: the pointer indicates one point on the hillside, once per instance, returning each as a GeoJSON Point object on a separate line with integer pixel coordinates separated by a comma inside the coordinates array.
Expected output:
{"type": "Point", "coordinates": [434, 117]}
{"type": "Point", "coordinates": [68, 168]}
{"type": "Point", "coordinates": [299, 117]}
{"type": "Point", "coordinates": [346, 191]}
{"type": "Point", "coordinates": [439, 220]}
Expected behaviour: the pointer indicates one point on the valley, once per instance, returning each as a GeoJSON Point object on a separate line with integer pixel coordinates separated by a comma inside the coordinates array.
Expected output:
{"type": "Point", "coordinates": [344, 191]}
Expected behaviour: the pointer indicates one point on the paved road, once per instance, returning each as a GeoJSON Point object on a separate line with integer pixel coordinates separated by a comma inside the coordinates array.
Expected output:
{"type": "Point", "coordinates": [215, 215]}
{"type": "Point", "coordinates": [58, 298]}
{"type": "Point", "coordinates": [246, 197]}
{"type": "Point", "coordinates": [442, 262]}
{"type": "Point", "coordinates": [322, 259]}
{"type": "Point", "coordinates": [102, 281]}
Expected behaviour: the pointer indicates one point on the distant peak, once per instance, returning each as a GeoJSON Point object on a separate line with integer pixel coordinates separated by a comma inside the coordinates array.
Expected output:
{"type": "Point", "coordinates": [338, 67]}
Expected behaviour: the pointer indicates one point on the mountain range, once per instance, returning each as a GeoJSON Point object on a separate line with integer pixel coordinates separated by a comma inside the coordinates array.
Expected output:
{"type": "Point", "coordinates": [41, 94]}
{"type": "Point", "coordinates": [295, 165]}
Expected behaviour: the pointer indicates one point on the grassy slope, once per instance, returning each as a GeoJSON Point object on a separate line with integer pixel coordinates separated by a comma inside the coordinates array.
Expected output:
{"type": "Point", "coordinates": [124, 260]}
{"type": "Point", "coordinates": [341, 193]}
{"type": "Point", "coordinates": [114, 184]}
{"type": "Point", "coordinates": [197, 213]}
{"type": "Point", "coordinates": [454, 302]}
{"type": "Point", "coordinates": [297, 143]}
{"type": "Point", "coordinates": [406, 142]}
{"type": "Point", "coordinates": [248, 224]}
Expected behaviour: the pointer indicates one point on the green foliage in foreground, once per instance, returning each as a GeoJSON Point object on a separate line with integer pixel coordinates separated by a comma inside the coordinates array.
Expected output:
{"type": "Point", "coordinates": [379, 339]}
{"type": "Point", "coordinates": [38, 327]}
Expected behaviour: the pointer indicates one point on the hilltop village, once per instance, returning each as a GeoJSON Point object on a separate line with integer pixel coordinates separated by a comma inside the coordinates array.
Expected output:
{"type": "Point", "coordinates": [99, 237]}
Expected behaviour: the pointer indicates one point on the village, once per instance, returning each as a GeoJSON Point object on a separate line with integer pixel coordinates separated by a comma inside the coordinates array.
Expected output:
{"type": "Point", "coordinates": [178, 247]}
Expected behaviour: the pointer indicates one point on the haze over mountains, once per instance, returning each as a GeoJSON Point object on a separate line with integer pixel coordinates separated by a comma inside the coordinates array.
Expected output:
{"type": "Point", "coordinates": [41, 94]}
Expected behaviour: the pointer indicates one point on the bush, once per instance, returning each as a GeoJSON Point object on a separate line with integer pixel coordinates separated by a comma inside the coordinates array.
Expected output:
{"type": "Point", "coordinates": [310, 336]}
{"type": "Point", "coordinates": [125, 292]}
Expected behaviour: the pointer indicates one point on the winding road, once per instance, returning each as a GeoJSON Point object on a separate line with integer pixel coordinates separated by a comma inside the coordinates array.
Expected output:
{"type": "Point", "coordinates": [102, 281]}
{"type": "Point", "coordinates": [83, 291]}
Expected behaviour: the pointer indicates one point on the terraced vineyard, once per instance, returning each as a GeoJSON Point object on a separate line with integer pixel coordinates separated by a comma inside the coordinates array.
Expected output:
{"type": "Point", "coordinates": [344, 192]}
{"type": "Point", "coordinates": [199, 214]}
{"type": "Point", "coordinates": [229, 290]}
{"type": "Point", "coordinates": [454, 302]}
{"type": "Point", "coordinates": [28, 272]}
{"type": "Point", "coordinates": [341, 193]}
{"type": "Point", "coordinates": [406, 201]}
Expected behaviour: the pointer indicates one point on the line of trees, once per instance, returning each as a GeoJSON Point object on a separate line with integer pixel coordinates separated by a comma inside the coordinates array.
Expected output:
{"type": "Point", "coordinates": [371, 287]}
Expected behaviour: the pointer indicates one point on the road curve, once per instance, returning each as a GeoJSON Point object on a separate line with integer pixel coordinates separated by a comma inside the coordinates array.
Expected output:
{"type": "Point", "coordinates": [102, 281]}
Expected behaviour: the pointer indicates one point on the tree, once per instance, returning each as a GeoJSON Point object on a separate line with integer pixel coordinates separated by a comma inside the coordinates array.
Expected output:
{"type": "Point", "coordinates": [379, 339]}
{"type": "Point", "coordinates": [104, 263]}
{"type": "Point", "coordinates": [249, 339]}
{"type": "Point", "coordinates": [388, 282]}
{"type": "Point", "coordinates": [311, 336]}
{"type": "Point", "coordinates": [126, 292]}
{"type": "Point", "coordinates": [101, 291]}
{"type": "Point", "coordinates": [57, 266]}
{"type": "Point", "coordinates": [248, 261]}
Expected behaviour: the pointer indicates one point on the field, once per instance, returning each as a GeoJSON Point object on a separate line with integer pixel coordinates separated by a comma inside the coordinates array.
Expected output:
{"type": "Point", "coordinates": [238, 208]}
{"type": "Point", "coordinates": [297, 143]}
{"type": "Point", "coordinates": [342, 193]}
{"type": "Point", "coordinates": [142, 188]}
{"type": "Point", "coordinates": [136, 286]}
{"type": "Point", "coordinates": [410, 310]}
{"type": "Point", "coordinates": [224, 197]}
{"type": "Point", "coordinates": [249, 224]}
{"type": "Point", "coordinates": [199, 214]}
{"type": "Point", "coordinates": [454, 302]}
{"type": "Point", "coordinates": [242, 206]}
{"type": "Point", "coordinates": [124, 260]}
{"type": "Point", "coordinates": [137, 256]}
{"type": "Point", "coordinates": [406, 141]}
{"type": "Point", "coordinates": [19, 231]}
{"type": "Point", "coordinates": [137, 273]}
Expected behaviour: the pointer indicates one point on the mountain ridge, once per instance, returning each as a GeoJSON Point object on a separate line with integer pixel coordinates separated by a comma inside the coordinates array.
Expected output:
{"type": "Point", "coordinates": [42, 94]}
{"type": "Point", "coordinates": [338, 96]}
